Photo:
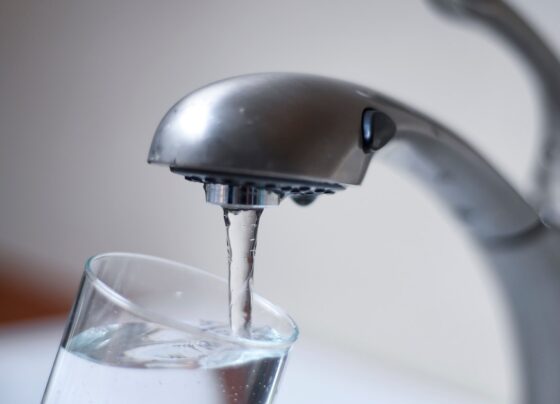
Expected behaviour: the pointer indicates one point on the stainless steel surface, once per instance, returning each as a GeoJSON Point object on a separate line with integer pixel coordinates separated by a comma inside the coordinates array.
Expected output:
{"type": "Point", "coordinates": [505, 21]}
{"type": "Point", "coordinates": [307, 129]}
{"type": "Point", "coordinates": [528, 270]}
{"type": "Point", "coordinates": [270, 129]}
{"type": "Point", "coordinates": [232, 196]}
{"type": "Point", "coordinates": [275, 126]}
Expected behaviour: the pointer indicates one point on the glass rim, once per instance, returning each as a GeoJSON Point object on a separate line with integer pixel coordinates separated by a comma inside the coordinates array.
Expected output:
{"type": "Point", "coordinates": [153, 316]}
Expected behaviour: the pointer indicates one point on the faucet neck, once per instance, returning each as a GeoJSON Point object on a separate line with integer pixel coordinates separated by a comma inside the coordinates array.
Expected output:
{"type": "Point", "coordinates": [486, 204]}
{"type": "Point", "coordinates": [507, 23]}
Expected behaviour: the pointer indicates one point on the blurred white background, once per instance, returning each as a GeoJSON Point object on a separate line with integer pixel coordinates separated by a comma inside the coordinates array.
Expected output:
{"type": "Point", "coordinates": [379, 270]}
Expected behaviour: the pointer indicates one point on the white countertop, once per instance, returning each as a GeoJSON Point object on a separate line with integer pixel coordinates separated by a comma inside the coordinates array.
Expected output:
{"type": "Point", "coordinates": [315, 373]}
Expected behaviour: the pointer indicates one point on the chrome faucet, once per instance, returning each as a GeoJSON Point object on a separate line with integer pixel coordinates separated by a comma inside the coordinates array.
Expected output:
{"type": "Point", "coordinates": [254, 140]}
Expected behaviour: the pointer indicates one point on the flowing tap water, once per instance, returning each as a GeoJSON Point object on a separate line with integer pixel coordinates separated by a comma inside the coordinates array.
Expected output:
{"type": "Point", "coordinates": [241, 228]}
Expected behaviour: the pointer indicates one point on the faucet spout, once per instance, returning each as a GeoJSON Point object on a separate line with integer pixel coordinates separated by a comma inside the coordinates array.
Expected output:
{"type": "Point", "coordinates": [299, 134]}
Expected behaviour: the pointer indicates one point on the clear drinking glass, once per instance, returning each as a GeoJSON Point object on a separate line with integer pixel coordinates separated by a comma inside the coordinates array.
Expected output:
{"type": "Point", "coordinates": [148, 330]}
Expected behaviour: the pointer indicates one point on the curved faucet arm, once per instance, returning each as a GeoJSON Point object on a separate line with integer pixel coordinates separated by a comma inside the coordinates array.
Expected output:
{"type": "Point", "coordinates": [522, 252]}
{"type": "Point", "coordinates": [479, 196]}
{"type": "Point", "coordinates": [509, 24]}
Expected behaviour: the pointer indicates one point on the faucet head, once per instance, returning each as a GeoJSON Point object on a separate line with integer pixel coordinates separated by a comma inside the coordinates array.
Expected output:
{"type": "Point", "coordinates": [254, 139]}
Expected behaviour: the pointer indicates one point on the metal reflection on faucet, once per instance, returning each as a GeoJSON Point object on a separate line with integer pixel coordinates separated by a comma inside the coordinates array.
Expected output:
{"type": "Point", "coordinates": [194, 120]}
